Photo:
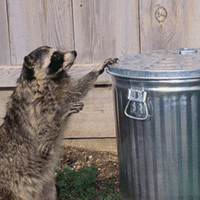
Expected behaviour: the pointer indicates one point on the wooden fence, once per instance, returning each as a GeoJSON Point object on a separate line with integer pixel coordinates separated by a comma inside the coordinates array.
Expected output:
{"type": "Point", "coordinates": [97, 29]}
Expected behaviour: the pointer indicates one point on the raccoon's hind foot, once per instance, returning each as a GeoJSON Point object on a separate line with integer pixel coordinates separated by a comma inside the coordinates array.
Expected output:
{"type": "Point", "coordinates": [107, 62]}
{"type": "Point", "coordinates": [7, 195]}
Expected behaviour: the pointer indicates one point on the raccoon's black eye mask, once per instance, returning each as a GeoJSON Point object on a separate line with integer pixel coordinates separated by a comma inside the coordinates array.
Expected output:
{"type": "Point", "coordinates": [56, 63]}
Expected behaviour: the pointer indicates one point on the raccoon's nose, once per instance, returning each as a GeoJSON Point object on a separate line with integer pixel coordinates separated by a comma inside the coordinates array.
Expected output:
{"type": "Point", "coordinates": [75, 53]}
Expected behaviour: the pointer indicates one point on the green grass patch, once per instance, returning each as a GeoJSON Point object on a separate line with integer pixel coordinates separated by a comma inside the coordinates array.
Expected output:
{"type": "Point", "coordinates": [82, 185]}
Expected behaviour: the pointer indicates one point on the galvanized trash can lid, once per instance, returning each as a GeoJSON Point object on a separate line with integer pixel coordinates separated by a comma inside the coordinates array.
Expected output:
{"type": "Point", "coordinates": [182, 63]}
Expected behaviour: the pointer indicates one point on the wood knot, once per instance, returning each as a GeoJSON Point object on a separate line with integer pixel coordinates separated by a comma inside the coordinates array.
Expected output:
{"type": "Point", "coordinates": [161, 14]}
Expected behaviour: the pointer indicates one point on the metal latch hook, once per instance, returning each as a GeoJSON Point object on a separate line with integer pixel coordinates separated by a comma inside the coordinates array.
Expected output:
{"type": "Point", "coordinates": [138, 98]}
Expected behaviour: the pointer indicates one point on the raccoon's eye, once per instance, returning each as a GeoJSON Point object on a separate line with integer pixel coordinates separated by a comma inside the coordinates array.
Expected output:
{"type": "Point", "coordinates": [56, 56]}
{"type": "Point", "coordinates": [56, 63]}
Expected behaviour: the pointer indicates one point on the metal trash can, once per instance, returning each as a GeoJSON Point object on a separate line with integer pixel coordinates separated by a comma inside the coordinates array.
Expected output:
{"type": "Point", "coordinates": [157, 105]}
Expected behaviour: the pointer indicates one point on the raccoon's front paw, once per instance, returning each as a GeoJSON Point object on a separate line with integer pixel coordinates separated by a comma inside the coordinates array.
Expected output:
{"type": "Point", "coordinates": [107, 62]}
{"type": "Point", "coordinates": [110, 61]}
{"type": "Point", "coordinates": [75, 108]}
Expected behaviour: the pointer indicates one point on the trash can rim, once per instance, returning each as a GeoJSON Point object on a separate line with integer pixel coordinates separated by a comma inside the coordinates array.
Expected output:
{"type": "Point", "coordinates": [149, 75]}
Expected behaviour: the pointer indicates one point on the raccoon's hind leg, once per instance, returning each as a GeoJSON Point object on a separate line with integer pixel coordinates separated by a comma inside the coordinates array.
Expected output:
{"type": "Point", "coordinates": [86, 82]}
{"type": "Point", "coordinates": [48, 192]}
{"type": "Point", "coordinates": [8, 195]}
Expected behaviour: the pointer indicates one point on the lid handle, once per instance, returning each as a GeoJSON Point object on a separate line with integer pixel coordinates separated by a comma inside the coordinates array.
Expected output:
{"type": "Point", "coordinates": [184, 51]}
{"type": "Point", "coordinates": [138, 108]}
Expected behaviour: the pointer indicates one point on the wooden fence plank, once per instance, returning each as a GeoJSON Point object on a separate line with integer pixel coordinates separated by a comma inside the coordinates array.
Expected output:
{"type": "Point", "coordinates": [191, 13]}
{"type": "Point", "coordinates": [36, 23]}
{"type": "Point", "coordinates": [100, 144]}
{"type": "Point", "coordinates": [169, 24]}
{"type": "Point", "coordinates": [9, 76]}
{"type": "Point", "coordinates": [4, 35]}
{"type": "Point", "coordinates": [4, 98]}
{"type": "Point", "coordinates": [105, 29]}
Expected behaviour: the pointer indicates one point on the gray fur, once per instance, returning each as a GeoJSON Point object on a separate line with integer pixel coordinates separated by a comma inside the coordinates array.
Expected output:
{"type": "Point", "coordinates": [31, 134]}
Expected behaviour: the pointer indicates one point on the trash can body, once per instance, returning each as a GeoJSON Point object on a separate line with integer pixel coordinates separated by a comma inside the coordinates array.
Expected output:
{"type": "Point", "coordinates": [158, 126]}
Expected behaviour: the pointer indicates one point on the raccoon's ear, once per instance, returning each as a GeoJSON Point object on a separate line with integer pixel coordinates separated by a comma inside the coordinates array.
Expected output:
{"type": "Point", "coordinates": [28, 68]}
{"type": "Point", "coordinates": [29, 62]}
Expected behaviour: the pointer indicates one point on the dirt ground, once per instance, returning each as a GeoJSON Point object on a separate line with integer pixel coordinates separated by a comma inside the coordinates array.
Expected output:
{"type": "Point", "coordinates": [106, 163]}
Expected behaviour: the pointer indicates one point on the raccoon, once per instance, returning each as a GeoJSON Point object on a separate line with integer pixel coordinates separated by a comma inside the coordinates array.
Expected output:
{"type": "Point", "coordinates": [30, 137]}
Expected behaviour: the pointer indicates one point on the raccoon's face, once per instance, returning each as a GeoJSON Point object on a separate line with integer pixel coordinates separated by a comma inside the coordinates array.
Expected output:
{"type": "Point", "coordinates": [46, 62]}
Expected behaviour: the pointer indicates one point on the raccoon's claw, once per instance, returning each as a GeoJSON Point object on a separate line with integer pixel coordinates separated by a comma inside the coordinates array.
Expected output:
{"type": "Point", "coordinates": [77, 106]}
{"type": "Point", "coordinates": [110, 61]}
